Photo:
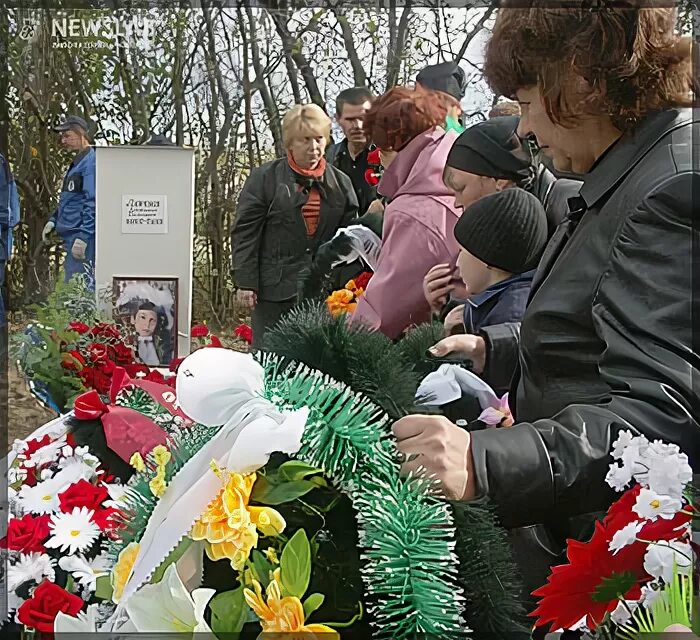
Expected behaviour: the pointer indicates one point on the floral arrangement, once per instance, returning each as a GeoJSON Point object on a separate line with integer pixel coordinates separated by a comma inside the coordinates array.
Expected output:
{"type": "Point", "coordinates": [636, 571]}
{"type": "Point", "coordinates": [345, 300]}
{"type": "Point", "coordinates": [373, 173]}
{"type": "Point", "coordinates": [279, 510]}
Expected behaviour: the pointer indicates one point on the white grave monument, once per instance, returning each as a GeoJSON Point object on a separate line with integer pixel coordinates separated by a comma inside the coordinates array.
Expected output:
{"type": "Point", "coordinates": [145, 228]}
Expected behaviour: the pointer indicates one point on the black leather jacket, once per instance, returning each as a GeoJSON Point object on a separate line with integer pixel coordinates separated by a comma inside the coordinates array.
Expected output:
{"type": "Point", "coordinates": [606, 344]}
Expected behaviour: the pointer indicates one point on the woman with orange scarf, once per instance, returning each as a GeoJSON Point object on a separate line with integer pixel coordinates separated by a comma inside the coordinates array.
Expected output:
{"type": "Point", "coordinates": [286, 210]}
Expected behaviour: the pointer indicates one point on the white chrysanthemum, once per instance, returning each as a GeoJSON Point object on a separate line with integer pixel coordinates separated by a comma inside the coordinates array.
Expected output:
{"type": "Point", "coordinates": [660, 558]}
{"type": "Point", "coordinates": [86, 572]}
{"type": "Point", "coordinates": [73, 531]}
{"type": "Point", "coordinates": [625, 536]}
{"type": "Point", "coordinates": [618, 477]}
{"type": "Point", "coordinates": [651, 505]}
{"type": "Point", "coordinates": [31, 566]}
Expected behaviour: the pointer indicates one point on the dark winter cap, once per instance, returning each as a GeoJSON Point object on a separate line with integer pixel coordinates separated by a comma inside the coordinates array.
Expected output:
{"type": "Point", "coordinates": [506, 230]}
{"type": "Point", "coordinates": [447, 77]}
{"type": "Point", "coordinates": [489, 149]}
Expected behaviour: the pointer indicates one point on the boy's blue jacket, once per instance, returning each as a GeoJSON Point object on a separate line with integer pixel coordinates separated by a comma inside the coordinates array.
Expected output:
{"type": "Point", "coordinates": [75, 216]}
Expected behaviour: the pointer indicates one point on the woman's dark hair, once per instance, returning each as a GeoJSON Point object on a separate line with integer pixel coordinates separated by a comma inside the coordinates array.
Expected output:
{"type": "Point", "coordinates": [633, 57]}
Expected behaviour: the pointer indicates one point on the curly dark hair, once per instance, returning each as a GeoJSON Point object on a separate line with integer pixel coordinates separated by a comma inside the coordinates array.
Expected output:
{"type": "Point", "coordinates": [632, 57]}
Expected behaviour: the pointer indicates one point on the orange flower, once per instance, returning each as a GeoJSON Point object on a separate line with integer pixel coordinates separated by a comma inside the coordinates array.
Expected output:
{"type": "Point", "coordinates": [281, 615]}
{"type": "Point", "coordinates": [341, 301]}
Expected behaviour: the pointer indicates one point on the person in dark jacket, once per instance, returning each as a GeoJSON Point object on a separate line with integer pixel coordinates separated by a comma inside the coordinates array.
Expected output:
{"type": "Point", "coordinates": [606, 341]}
{"type": "Point", "coordinates": [74, 220]}
{"type": "Point", "coordinates": [286, 210]}
{"type": "Point", "coordinates": [502, 237]}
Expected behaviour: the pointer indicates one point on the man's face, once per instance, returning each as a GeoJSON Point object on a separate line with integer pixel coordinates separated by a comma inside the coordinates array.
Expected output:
{"type": "Point", "coordinates": [71, 140]}
{"type": "Point", "coordinates": [145, 322]}
{"type": "Point", "coordinates": [351, 121]}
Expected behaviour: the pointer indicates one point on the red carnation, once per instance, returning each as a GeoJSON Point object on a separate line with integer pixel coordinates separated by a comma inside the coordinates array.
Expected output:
{"type": "Point", "coordinates": [47, 601]}
{"type": "Point", "coordinates": [97, 352]}
{"type": "Point", "coordinates": [96, 379]}
{"type": "Point", "coordinates": [245, 332]}
{"type": "Point", "coordinates": [105, 330]}
{"type": "Point", "coordinates": [27, 534]}
{"type": "Point", "coordinates": [200, 331]}
{"type": "Point", "coordinates": [82, 494]}
{"type": "Point", "coordinates": [135, 368]}
{"type": "Point", "coordinates": [214, 342]}
{"type": "Point", "coordinates": [123, 354]}
{"type": "Point", "coordinates": [372, 177]}
{"type": "Point", "coordinates": [373, 158]}
{"type": "Point", "coordinates": [155, 376]}
{"type": "Point", "coordinates": [363, 279]}
{"type": "Point", "coordinates": [79, 327]}
{"type": "Point", "coordinates": [592, 583]}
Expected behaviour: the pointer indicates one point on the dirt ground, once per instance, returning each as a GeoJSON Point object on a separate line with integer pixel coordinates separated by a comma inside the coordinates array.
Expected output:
{"type": "Point", "coordinates": [25, 412]}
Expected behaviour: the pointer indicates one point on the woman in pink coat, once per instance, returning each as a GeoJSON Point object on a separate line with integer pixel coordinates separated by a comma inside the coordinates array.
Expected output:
{"type": "Point", "coordinates": [418, 221]}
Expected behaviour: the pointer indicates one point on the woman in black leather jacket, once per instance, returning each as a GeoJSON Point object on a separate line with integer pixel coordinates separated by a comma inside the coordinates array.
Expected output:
{"type": "Point", "coordinates": [606, 341]}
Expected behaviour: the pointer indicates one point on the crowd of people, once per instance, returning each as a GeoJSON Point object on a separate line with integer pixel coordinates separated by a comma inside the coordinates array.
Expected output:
{"type": "Point", "coordinates": [572, 295]}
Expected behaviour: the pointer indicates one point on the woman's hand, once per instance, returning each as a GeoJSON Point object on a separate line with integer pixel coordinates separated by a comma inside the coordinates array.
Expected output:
{"type": "Point", "coordinates": [247, 298]}
{"type": "Point", "coordinates": [470, 346]}
{"type": "Point", "coordinates": [454, 321]}
{"type": "Point", "coordinates": [436, 447]}
{"type": "Point", "coordinates": [437, 285]}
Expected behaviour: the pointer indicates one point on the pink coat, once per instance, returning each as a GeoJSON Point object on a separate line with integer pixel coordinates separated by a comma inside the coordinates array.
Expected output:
{"type": "Point", "coordinates": [417, 234]}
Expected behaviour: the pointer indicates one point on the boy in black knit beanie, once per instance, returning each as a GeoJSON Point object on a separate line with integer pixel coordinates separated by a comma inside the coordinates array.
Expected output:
{"type": "Point", "coordinates": [502, 237]}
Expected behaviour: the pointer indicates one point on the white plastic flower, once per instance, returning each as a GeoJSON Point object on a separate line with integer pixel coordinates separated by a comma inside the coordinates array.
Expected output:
{"type": "Point", "coordinates": [651, 593]}
{"type": "Point", "coordinates": [73, 531]}
{"type": "Point", "coordinates": [85, 572]}
{"type": "Point", "coordinates": [167, 606]}
{"type": "Point", "coordinates": [42, 497]}
{"type": "Point", "coordinates": [623, 612]}
{"type": "Point", "coordinates": [45, 455]}
{"type": "Point", "coordinates": [16, 474]}
{"type": "Point", "coordinates": [660, 557]}
{"type": "Point", "coordinates": [624, 440]}
{"type": "Point", "coordinates": [625, 536]}
{"type": "Point", "coordinates": [32, 566]}
{"type": "Point", "coordinates": [618, 477]}
{"type": "Point", "coordinates": [651, 505]}
{"type": "Point", "coordinates": [117, 493]}
{"type": "Point", "coordinates": [669, 475]}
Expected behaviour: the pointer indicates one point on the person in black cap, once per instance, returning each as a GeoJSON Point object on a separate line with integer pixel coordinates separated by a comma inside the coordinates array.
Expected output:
{"type": "Point", "coordinates": [74, 220]}
{"type": "Point", "coordinates": [486, 158]}
{"type": "Point", "coordinates": [502, 237]}
{"type": "Point", "coordinates": [447, 77]}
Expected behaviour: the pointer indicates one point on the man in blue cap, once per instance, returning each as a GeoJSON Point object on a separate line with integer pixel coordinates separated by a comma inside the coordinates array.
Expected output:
{"type": "Point", "coordinates": [74, 220]}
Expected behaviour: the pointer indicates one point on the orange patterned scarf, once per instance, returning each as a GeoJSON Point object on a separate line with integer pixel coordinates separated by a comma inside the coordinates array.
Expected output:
{"type": "Point", "coordinates": [311, 210]}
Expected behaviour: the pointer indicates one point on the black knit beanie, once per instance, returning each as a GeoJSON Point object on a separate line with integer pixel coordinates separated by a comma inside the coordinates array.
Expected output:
{"type": "Point", "coordinates": [506, 230]}
{"type": "Point", "coordinates": [447, 77]}
{"type": "Point", "coordinates": [488, 149]}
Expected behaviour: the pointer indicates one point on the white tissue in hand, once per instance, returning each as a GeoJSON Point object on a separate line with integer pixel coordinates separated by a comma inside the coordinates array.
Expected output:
{"type": "Point", "coordinates": [450, 382]}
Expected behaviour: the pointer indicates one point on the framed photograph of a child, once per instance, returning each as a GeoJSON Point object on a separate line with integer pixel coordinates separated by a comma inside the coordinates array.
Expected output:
{"type": "Point", "coordinates": [146, 310]}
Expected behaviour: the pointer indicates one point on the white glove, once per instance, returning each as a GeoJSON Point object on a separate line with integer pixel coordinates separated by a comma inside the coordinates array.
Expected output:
{"type": "Point", "coordinates": [78, 249]}
{"type": "Point", "coordinates": [48, 228]}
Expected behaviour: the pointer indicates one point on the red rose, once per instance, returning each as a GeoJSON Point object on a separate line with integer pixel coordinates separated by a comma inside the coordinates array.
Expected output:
{"type": "Point", "coordinates": [135, 368]}
{"type": "Point", "coordinates": [199, 331]}
{"type": "Point", "coordinates": [79, 327]}
{"type": "Point", "coordinates": [214, 342]}
{"type": "Point", "coordinates": [97, 352]}
{"type": "Point", "coordinates": [155, 376]}
{"type": "Point", "coordinates": [104, 330]}
{"type": "Point", "coordinates": [96, 379]}
{"type": "Point", "coordinates": [27, 534]}
{"type": "Point", "coordinates": [174, 364]}
{"type": "Point", "coordinates": [363, 279]}
{"type": "Point", "coordinates": [82, 494]}
{"type": "Point", "coordinates": [47, 601]}
{"type": "Point", "coordinates": [123, 354]}
{"type": "Point", "coordinates": [245, 332]}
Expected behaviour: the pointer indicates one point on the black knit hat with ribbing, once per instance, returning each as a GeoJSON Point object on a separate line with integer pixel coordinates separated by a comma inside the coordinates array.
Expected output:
{"type": "Point", "coordinates": [506, 230]}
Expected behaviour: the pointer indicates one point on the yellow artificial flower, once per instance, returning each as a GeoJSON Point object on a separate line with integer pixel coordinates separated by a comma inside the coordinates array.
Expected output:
{"type": "Point", "coordinates": [137, 462]}
{"type": "Point", "coordinates": [161, 455]}
{"type": "Point", "coordinates": [341, 301]}
{"type": "Point", "coordinates": [157, 484]}
{"type": "Point", "coordinates": [230, 527]}
{"type": "Point", "coordinates": [122, 569]}
{"type": "Point", "coordinates": [271, 555]}
{"type": "Point", "coordinates": [278, 614]}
